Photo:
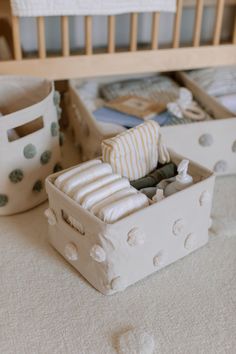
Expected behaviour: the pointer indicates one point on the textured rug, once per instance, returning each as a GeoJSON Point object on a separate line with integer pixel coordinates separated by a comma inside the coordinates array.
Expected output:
{"type": "Point", "coordinates": [46, 307]}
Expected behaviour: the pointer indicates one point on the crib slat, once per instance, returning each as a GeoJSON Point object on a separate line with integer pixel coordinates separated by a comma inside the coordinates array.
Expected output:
{"type": "Point", "coordinates": [88, 35]}
{"type": "Point", "coordinates": [41, 37]}
{"type": "Point", "coordinates": [65, 36]}
{"type": "Point", "coordinates": [133, 32]}
{"type": "Point", "coordinates": [177, 24]}
{"type": "Point", "coordinates": [198, 23]}
{"type": "Point", "coordinates": [155, 29]}
{"type": "Point", "coordinates": [111, 33]}
{"type": "Point", "coordinates": [16, 38]}
{"type": "Point", "coordinates": [218, 22]}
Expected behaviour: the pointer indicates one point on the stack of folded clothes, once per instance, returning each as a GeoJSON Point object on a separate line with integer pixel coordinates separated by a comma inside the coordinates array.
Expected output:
{"type": "Point", "coordinates": [218, 82]}
{"type": "Point", "coordinates": [160, 90]}
{"type": "Point", "coordinates": [97, 189]}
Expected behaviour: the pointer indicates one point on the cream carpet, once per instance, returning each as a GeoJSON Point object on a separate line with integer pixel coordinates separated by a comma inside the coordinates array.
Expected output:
{"type": "Point", "coordinates": [46, 307]}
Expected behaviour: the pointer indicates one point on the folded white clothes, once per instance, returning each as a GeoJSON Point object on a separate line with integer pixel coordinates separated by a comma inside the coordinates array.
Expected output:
{"type": "Point", "coordinates": [229, 101]}
{"type": "Point", "coordinates": [113, 198]}
{"type": "Point", "coordinates": [96, 188]}
{"type": "Point", "coordinates": [26, 8]}
{"type": "Point", "coordinates": [216, 81]}
{"type": "Point", "coordinates": [100, 194]}
{"type": "Point", "coordinates": [60, 180]}
{"type": "Point", "coordinates": [82, 191]}
{"type": "Point", "coordinates": [84, 177]}
{"type": "Point", "coordinates": [123, 207]}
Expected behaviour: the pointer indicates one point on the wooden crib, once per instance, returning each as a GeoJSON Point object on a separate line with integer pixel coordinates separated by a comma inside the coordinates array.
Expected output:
{"type": "Point", "coordinates": [114, 60]}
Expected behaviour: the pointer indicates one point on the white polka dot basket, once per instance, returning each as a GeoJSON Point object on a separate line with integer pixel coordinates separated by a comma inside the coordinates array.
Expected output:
{"type": "Point", "coordinates": [113, 256]}
{"type": "Point", "coordinates": [29, 141]}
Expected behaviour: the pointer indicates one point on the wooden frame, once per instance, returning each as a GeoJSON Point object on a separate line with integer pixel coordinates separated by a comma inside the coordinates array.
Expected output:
{"type": "Point", "coordinates": [132, 60]}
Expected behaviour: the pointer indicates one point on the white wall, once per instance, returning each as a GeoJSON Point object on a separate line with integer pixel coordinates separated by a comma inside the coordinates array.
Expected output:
{"type": "Point", "coordinates": [29, 35]}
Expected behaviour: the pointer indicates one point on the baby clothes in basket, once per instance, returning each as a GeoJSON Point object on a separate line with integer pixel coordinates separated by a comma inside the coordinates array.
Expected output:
{"type": "Point", "coordinates": [97, 189]}
{"type": "Point", "coordinates": [136, 152]}
{"type": "Point", "coordinates": [159, 88]}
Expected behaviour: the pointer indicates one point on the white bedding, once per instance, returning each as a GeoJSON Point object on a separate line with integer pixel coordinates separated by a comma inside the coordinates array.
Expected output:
{"type": "Point", "coordinates": [217, 81]}
{"type": "Point", "coordinates": [24, 8]}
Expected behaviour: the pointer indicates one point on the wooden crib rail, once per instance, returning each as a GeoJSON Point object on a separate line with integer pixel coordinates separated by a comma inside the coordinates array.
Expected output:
{"type": "Point", "coordinates": [132, 59]}
{"type": "Point", "coordinates": [65, 36]}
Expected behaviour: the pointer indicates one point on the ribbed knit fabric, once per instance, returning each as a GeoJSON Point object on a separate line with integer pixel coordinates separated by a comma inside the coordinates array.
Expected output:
{"type": "Point", "coordinates": [134, 153]}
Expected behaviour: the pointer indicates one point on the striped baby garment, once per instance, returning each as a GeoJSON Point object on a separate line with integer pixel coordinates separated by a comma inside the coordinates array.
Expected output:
{"type": "Point", "coordinates": [133, 153]}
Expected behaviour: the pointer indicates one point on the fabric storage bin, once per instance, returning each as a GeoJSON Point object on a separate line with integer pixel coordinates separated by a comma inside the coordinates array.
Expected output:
{"type": "Point", "coordinates": [29, 141]}
{"type": "Point", "coordinates": [86, 131]}
{"type": "Point", "coordinates": [161, 233]}
{"type": "Point", "coordinates": [211, 143]}
{"type": "Point", "coordinates": [208, 142]}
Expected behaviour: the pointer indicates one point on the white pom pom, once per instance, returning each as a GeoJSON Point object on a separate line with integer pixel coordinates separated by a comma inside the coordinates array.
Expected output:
{"type": "Point", "coordinates": [49, 213]}
{"type": "Point", "coordinates": [118, 284]}
{"type": "Point", "coordinates": [189, 242]}
{"type": "Point", "coordinates": [71, 252]}
{"type": "Point", "coordinates": [158, 260]}
{"type": "Point", "coordinates": [136, 341]}
{"type": "Point", "coordinates": [205, 198]}
{"type": "Point", "coordinates": [178, 227]}
{"type": "Point", "coordinates": [98, 253]}
{"type": "Point", "coordinates": [136, 237]}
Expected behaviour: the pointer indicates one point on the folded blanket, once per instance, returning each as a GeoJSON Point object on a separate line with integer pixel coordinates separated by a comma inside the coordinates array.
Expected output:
{"type": "Point", "coordinates": [66, 175]}
{"type": "Point", "coordinates": [26, 8]}
{"type": "Point", "coordinates": [123, 207]}
{"type": "Point", "coordinates": [160, 88]}
{"type": "Point", "coordinates": [113, 198]}
{"type": "Point", "coordinates": [81, 192]}
{"type": "Point", "coordinates": [84, 177]}
{"type": "Point", "coordinates": [216, 81]}
{"type": "Point", "coordinates": [94, 186]}
{"type": "Point", "coordinates": [102, 193]}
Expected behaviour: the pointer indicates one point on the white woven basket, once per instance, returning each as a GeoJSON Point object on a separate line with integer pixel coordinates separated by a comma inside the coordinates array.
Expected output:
{"type": "Point", "coordinates": [29, 111]}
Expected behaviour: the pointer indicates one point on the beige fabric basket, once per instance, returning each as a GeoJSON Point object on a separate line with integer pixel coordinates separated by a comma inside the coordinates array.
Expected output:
{"type": "Point", "coordinates": [187, 139]}
{"type": "Point", "coordinates": [211, 143]}
{"type": "Point", "coordinates": [30, 114]}
{"type": "Point", "coordinates": [137, 245]}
